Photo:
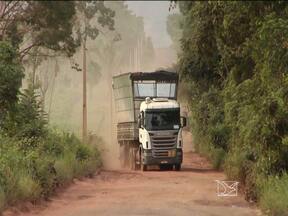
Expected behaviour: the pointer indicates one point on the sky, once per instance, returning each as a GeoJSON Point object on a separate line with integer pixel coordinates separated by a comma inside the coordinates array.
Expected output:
{"type": "Point", "coordinates": [155, 14]}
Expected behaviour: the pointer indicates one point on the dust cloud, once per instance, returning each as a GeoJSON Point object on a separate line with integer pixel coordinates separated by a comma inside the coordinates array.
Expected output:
{"type": "Point", "coordinates": [61, 79]}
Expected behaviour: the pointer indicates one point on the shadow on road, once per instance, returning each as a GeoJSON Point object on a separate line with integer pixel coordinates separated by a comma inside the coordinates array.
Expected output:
{"type": "Point", "coordinates": [184, 169]}
{"type": "Point", "coordinates": [198, 170]}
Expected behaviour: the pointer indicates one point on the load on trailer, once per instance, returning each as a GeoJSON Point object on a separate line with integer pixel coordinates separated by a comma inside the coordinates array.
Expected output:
{"type": "Point", "coordinates": [149, 126]}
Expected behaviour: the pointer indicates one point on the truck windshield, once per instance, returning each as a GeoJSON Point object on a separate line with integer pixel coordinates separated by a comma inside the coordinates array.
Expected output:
{"type": "Point", "coordinates": [153, 89]}
{"type": "Point", "coordinates": [162, 119]}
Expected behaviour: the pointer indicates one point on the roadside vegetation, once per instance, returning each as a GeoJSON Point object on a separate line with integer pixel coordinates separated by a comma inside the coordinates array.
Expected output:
{"type": "Point", "coordinates": [36, 158]}
{"type": "Point", "coordinates": [233, 59]}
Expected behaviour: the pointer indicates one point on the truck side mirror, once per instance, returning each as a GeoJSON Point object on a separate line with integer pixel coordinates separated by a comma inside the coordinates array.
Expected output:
{"type": "Point", "coordinates": [183, 121]}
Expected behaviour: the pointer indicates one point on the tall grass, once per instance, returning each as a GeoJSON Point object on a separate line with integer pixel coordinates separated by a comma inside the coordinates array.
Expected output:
{"type": "Point", "coordinates": [31, 173]}
{"type": "Point", "coordinates": [2, 200]}
{"type": "Point", "coordinates": [274, 196]}
{"type": "Point", "coordinates": [215, 155]}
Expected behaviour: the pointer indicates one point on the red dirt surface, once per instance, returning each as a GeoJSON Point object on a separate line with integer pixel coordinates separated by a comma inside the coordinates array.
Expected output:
{"type": "Point", "coordinates": [191, 191]}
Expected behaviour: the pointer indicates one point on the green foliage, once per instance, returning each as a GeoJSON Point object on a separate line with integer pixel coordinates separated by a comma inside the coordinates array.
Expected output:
{"type": "Point", "coordinates": [274, 195]}
{"type": "Point", "coordinates": [46, 24]}
{"type": "Point", "coordinates": [27, 121]}
{"type": "Point", "coordinates": [89, 10]}
{"type": "Point", "coordinates": [34, 159]}
{"type": "Point", "coordinates": [234, 55]}
{"type": "Point", "coordinates": [51, 24]}
{"type": "Point", "coordinates": [28, 189]}
{"type": "Point", "coordinates": [33, 173]}
{"type": "Point", "coordinates": [11, 74]}
{"type": "Point", "coordinates": [2, 200]}
{"type": "Point", "coordinates": [83, 153]}
{"type": "Point", "coordinates": [200, 54]}
{"type": "Point", "coordinates": [218, 157]}
{"type": "Point", "coordinates": [64, 169]}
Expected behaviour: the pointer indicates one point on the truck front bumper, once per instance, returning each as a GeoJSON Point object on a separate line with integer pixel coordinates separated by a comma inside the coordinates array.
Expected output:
{"type": "Point", "coordinates": [148, 158]}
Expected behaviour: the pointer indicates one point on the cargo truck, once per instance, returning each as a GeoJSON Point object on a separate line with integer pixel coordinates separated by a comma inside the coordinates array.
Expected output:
{"type": "Point", "coordinates": [149, 126]}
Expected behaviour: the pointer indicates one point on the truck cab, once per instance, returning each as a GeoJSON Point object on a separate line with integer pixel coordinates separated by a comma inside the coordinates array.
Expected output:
{"type": "Point", "coordinates": [160, 133]}
{"type": "Point", "coordinates": [149, 125]}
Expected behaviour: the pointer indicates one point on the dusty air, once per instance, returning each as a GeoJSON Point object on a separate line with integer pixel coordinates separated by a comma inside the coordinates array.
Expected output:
{"type": "Point", "coordinates": [143, 108]}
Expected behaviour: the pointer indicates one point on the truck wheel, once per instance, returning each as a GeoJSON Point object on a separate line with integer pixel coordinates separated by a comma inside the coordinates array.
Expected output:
{"type": "Point", "coordinates": [177, 167]}
{"type": "Point", "coordinates": [132, 158]}
{"type": "Point", "coordinates": [138, 159]}
{"type": "Point", "coordinates": [143, 167]}
{"type": "Point", "coordinates": [122, 155]}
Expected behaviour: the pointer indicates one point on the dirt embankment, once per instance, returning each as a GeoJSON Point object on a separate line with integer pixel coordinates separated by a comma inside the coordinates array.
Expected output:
{"type": "Point", "coordinates": [121, 192]}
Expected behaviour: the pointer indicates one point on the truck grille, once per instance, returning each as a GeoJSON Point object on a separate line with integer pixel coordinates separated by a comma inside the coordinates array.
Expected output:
{"type": "Point", "coordinates": [162, 144]}
{"type": "Point", "coordinates": [158, 153]}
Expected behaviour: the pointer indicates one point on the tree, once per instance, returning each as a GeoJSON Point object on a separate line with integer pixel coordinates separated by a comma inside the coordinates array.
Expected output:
{"type": "Point", "coordinates": [11, 74]}
{"type": "Point", "coordinates": [234, 56]}
{"type": "Point", "coordinates": [46, 24]}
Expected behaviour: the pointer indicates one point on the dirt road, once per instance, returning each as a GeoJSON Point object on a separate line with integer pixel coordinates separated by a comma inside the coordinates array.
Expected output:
{"type": "Point", "coordinates": [121, 192]}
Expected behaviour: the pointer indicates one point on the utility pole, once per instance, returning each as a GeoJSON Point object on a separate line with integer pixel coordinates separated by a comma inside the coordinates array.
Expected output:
{"type": "Point", "coordinates": [84, 129]}
{"type": "Point", "coordinates": [141, 53]}
{"type": "Point", "coordinates": [130, 60]}
{"type": "Point", "coordinates": [135, 59]}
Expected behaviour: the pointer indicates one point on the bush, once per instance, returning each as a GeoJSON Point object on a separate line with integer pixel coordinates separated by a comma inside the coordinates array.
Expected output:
{"type": "Point", "coordinates": [235, 61]}
{"type": "Point", "coordinates": [218, 158]}
{"type": "Point", "coordinates": [2, 199]}
{"type": "Point", "coordinates": [215, 155]}
{"type": "Point", "coordinates": [64, 168]}
{"type": "Point", "coordinates": [11, 74]}
{"type": "Point", "coordinates": [43, 169]}
{"type": "Point", "coordinates": [34, 159]}
{"type": "Point", "coordinates": [28, 189]}
{"type": "Point", "coordinates": [83, 152]}
{"type": "Point", "coordinates": [274, 195]}
{"type": "Point", "coordinates": [234, 165]}
{"type": "Point", "coordinates": [87, 167]}
{"type": "Point", "coordinates": [32, 173]}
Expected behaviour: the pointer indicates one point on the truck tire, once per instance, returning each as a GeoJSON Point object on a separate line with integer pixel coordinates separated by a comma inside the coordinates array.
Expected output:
{"type": "Point", "coordinates": [122, 155]}
{"type": "Point", "coordinates": [138, 159]}
{"type": "Point", "coordinates": [132, 158]}
{"type": "Point", "coordinates": [177, 167]}
{"type": "Point", "coordinates": [143, 167]}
